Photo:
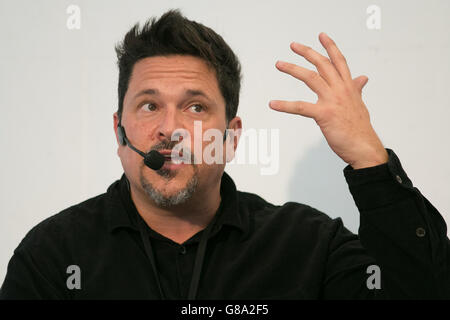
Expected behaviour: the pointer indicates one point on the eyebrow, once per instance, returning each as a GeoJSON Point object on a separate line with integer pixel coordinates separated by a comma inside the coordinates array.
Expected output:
{"type": "Point", "coordinates": [188, 93]}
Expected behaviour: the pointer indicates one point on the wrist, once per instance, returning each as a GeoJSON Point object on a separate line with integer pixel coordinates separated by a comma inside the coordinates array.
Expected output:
{"type": "Point", "coordinates": [376, 159]}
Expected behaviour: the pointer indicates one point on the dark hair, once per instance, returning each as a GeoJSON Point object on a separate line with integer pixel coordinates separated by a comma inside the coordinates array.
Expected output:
{"type": "Point", "coordinates": [173, 34]}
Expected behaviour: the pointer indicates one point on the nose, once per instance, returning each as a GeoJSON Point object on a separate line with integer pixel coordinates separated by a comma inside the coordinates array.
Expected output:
{"type": "Point", "coordinates": [170, 121]}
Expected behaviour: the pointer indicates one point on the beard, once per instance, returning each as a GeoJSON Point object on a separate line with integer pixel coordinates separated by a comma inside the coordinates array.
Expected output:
{"type": "Point", "coordinates": [179, 197]}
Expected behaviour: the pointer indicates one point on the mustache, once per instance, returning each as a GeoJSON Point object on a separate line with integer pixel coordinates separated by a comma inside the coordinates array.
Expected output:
{"type": "Point", "coordinates": [169, 145]}
{"type": "Point", "coordinates": [165, 144]}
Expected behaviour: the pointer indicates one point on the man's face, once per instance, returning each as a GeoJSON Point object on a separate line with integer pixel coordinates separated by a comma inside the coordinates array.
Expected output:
{"type": "Point", "coordinates": [156, 104]}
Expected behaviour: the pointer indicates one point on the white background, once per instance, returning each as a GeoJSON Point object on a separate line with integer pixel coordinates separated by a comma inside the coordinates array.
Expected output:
{"type": "Point", "coordinates": [58, 91]}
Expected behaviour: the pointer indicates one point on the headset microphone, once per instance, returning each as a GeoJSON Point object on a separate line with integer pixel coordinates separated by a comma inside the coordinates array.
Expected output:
{"type": "Point", "coordinates": [154, 160]}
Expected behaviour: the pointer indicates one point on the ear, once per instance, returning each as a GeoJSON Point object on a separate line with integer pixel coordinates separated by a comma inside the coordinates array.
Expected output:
{"type": "Point", "coordinates": [115, 124]}
{"type": "Point", "coordinates": [233, 134]}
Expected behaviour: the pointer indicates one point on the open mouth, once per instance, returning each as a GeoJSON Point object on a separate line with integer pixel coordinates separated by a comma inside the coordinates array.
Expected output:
{"type": "Point", "coordinates": [168, 155]}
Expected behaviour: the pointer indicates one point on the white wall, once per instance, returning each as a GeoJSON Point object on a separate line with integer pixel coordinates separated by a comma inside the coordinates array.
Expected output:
{"type": "Point", "coordinates": [58, 93]}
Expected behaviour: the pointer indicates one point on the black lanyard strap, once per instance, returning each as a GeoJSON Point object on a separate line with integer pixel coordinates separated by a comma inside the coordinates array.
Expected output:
{"type": "Point", "coordinates": [149, 252]}
{"type": "Point", "coordinates": [200, 256]}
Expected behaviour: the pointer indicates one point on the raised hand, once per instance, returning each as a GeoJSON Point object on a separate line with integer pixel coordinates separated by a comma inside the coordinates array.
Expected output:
{"type": "Point", "coordinates": [339, 111]}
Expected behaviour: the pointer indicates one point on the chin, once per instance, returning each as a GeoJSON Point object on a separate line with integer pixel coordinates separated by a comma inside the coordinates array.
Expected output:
{"type": "Point", "coordinates": [169, 187]}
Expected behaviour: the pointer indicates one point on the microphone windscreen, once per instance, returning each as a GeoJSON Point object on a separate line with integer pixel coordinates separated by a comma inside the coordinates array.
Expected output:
{"type": "Point", "coordinates": [154, 160]}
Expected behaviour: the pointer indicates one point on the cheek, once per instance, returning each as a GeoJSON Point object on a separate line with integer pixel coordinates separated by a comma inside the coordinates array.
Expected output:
{"type": "Point", "coordinates": [209, 175]}
{"type": "Point", "coordinates": [143, 136]}
{"type": "Point", "coordinates": [131, 161]}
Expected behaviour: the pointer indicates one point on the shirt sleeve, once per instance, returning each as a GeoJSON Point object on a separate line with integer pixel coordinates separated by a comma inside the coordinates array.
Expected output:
{"type": "Point", "coordinates": [402, 231]}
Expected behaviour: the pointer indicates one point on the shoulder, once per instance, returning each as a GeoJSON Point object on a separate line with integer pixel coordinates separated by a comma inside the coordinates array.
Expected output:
{"type": "Point", "coordinates": [66, 227]}
{"type": "Point", "coordinates": [294, 210]}
{"type": "Point", "coordinates": [294, 217]}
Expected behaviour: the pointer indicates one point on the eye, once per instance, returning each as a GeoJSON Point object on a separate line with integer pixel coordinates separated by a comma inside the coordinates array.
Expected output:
{"type": "Point", "coordinates": [149, 107]}
{"type": "Point", "coordinates": [196, 108]}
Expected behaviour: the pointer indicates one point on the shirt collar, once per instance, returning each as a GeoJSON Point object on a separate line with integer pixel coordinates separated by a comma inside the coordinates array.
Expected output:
{"type": "Point", "coordinates": [123, 213]}
{"type": "Point", "coordinates": [121, 206]}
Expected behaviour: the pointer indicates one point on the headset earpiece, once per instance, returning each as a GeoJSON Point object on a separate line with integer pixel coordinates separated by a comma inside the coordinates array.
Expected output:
{"type": "Point", "coordinates": [121, 135]}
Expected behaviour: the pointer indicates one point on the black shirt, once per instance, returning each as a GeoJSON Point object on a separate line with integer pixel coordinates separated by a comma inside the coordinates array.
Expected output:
{"type": "Point", "coordinates": [256, 250]}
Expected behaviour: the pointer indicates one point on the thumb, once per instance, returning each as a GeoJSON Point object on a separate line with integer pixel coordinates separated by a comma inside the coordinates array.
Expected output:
{"type": "Point", "coordinates": [360, 82]}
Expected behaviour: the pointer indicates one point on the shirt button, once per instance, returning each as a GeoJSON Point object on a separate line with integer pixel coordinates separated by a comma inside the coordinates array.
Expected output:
{"type": "Point", "coordinates": [398, 178]}
{"type": "Point", "coordinates": [182, 249]}
{"type": "Point", "coordinates": [420, 232]}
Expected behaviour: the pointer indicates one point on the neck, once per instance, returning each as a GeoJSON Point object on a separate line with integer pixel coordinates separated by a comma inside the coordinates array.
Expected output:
{"type": "Point", "coordinates": [181, 222]}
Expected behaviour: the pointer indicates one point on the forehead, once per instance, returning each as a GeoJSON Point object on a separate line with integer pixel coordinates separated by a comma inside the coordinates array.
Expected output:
{"type": "Point", "coordinates": [172, 74]}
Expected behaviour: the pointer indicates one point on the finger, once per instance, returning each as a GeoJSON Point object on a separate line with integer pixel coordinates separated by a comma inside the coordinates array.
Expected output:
{"type": "Point", "coordinates": [360, 82]}
{"type": "Point", "coordinates": [322, 63]}
{"type": "Point", "coordinates": [311, 78]}
{"type": "Point", "coordinates": [336, 56]}
{"type": "Point", "coordinates": [302, 108]}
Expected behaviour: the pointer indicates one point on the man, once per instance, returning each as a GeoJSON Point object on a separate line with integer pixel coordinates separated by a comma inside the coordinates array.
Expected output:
{"type": "Point", "coordinates": [183, 231]}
